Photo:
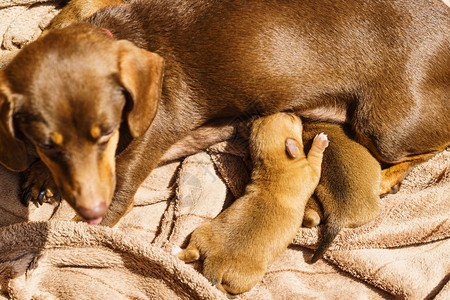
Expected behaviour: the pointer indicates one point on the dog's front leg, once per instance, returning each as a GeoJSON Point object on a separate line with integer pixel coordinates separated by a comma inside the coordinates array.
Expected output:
{"type": "Point", "coordinates": [140, 157]}
{"type": "Point", "coordinates": [133, 166]}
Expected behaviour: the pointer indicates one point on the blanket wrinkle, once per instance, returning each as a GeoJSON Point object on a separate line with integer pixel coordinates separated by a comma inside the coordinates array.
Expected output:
{"type": "Point", "coordinates": [403, 253]}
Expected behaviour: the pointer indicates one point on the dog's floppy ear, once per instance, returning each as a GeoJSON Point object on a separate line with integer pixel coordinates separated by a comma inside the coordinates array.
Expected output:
{"type": "Point", "coordinates": [141, 74]}
{"type": "Point", "coordinates": [292, 148]}
{"type": "Point", "coordinates": [13, 154]}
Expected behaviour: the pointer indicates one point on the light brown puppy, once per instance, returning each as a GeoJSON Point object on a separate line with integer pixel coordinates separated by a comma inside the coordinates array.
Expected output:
{"type": "Point", "coordinates": [349, 187]}
{"type": "Point", "coordinates": [238, 245]}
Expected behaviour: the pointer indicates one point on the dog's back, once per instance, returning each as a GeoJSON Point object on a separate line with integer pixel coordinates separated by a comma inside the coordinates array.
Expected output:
{"type": "Point", "coordinates": [275, 55]}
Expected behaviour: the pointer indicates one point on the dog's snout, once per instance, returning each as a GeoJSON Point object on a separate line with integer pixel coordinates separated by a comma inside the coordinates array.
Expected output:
{"type": "Point", "coordinates": [92, 213]}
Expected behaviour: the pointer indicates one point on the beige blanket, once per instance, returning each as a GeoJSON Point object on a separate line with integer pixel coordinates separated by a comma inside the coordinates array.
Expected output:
{"type": "Point", "coordinates": [404, 253]}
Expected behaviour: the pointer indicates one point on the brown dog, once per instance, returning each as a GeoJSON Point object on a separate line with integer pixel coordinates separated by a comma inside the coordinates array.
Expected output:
{"type": "Point", "coordinates": [381, 66]}
{"type": "Point", "coordinates": [349, 187]}
{"type": "Point", "coordinates": [238, 245]}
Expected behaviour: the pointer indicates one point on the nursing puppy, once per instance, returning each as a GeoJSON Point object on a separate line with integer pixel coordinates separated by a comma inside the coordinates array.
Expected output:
{"type": "Point", "coordinates": [237, 246]}
{"type": "Point", "coordinates": [349, 187]}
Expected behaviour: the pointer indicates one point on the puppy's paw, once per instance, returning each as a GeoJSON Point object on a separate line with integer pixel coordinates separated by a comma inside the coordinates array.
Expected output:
{"type": "Point", "coordinates": [321, 140]}
{"type": "Point", "coordinates": [38, 186]}
{"type": "Point", "coordinates": [187, 255]}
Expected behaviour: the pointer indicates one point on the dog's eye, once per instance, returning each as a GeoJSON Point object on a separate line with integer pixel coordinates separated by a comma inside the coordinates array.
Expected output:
{"type": "Point", "coordinates": [53, 141]}
{"type": "Point", "coordinates": [47, 146]}
{"type": "Point", "coordinates": [105, 137]}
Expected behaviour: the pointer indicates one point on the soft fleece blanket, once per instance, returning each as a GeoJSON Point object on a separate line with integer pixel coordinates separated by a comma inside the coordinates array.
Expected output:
{"type": "Point", "coordinates": [403, 253]}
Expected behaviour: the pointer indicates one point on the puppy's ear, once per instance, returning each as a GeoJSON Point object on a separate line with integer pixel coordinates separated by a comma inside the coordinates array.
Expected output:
{"type": "Point", "coordinates": [293, 148]}
{"type": "Point", "coordinates": [13, 154]}
{"type": "Point", "coordinates": [141, 74]}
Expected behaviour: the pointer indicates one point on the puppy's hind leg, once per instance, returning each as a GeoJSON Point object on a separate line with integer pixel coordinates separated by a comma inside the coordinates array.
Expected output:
{"type": "Point", "coordinates": [213, 271]}
{"type": "Point", "coordinates": [313, 213]}
{"type": "Point", "coordinates": [242, 283]}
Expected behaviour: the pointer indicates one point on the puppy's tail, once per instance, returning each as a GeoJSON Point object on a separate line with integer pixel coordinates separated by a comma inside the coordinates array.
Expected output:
{"type": "Point", "coordinates": [331, 230]}
{"type": "Point", "coordinates": [187, 255]}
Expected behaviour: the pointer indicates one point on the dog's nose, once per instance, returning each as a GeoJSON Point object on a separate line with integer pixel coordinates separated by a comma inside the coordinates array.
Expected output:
{"type": "Point", "coordinates": [92, 213]}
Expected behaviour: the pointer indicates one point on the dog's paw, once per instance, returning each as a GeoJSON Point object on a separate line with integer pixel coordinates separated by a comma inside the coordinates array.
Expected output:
{"type": "Point", "coordinates": [38, 186]}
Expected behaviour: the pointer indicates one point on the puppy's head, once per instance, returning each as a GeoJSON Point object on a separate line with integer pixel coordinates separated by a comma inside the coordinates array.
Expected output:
{"type": "Point", "coordinates": [276, 139]}
{"type": "Point", "coordinates": [68, 93]}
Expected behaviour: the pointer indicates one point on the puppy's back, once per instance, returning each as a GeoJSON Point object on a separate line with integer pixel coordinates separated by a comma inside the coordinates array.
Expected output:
{"type": "Point", "coordinates": [349, 186]}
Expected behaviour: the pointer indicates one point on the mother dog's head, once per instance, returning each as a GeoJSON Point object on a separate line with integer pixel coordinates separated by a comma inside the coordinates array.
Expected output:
{"type": "Point", "coordinates": [67, 93]}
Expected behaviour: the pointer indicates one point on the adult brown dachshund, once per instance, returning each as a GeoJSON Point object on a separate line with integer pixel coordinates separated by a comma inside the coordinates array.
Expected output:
{"type": "Point", "coordinates": [79, 97]}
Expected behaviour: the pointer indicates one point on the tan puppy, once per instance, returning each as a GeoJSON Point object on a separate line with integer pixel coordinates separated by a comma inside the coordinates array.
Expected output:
{"type": "Point", "coordinates": [349, 187]}
{"type": "Point", "coordinates": [238, 245]}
